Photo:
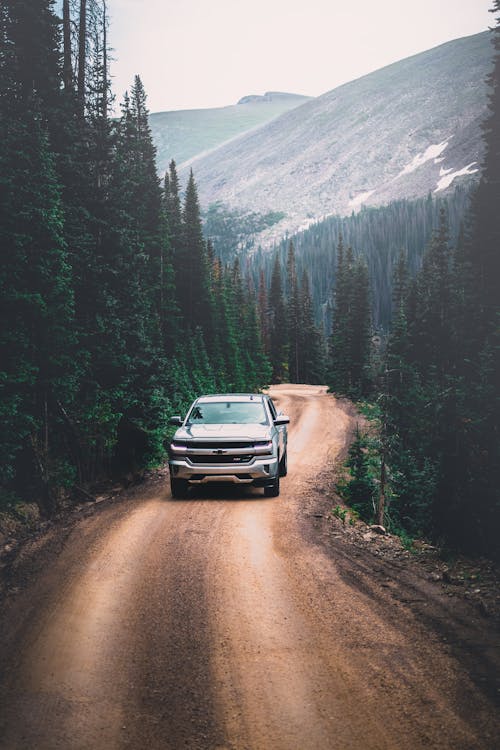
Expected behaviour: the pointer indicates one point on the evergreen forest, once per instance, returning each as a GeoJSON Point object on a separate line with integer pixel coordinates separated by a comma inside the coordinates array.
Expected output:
{"type": "Point", "coordinates": [433, 469]}
{"type": "Point", "coordinates": [119, 306]}
{"type": "Point", "coordinates": [376, 234]}
{"type": "Point", "coordinates": [115, 311]}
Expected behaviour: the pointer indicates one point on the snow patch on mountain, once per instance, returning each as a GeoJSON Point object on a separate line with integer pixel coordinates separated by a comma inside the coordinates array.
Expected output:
{"type": "Point", "coordinates": [432, 152]}
{"type": "Point", "coordinates": [448, 175]}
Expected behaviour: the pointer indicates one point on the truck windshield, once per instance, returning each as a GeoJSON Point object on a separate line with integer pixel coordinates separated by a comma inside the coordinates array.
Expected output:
{"type": "Point", "coordinates": [228, 412]}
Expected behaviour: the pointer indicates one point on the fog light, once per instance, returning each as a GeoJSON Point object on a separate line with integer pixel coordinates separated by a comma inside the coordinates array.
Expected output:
{"type": "Point", "coordinates": [266, 468]}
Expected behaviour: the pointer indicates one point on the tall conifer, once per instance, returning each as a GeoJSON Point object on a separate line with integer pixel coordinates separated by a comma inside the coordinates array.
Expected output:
{"type": "Point", "coordinates": [36, 330]}
{"type": "Point", "coordinates": [192, 273]}
{"type": "Point", "coordinates": [278, 353]}
{"type": "Point", "coordinates": [294, 319]}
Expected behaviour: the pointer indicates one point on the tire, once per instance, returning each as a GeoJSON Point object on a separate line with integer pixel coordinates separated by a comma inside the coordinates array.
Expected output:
{"type": "Point", "coordinates": [179, 488]}
{"type": "Point", "coordinates": [284, 465]}
{"type": "Point", "coordinates": [274, 489]}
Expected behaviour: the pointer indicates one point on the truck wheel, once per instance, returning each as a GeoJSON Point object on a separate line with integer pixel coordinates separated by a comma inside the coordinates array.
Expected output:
{"type": "Point", "coordinates": [179, 488]}
{"type": "Point", "coordinates": [284, 464]}
{"type": "Point", "coordinates": [274, 489]}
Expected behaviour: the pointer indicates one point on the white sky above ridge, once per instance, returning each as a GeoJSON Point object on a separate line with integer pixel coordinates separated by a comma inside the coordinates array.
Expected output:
{"type": "Point", "coordinates": [209, 53]}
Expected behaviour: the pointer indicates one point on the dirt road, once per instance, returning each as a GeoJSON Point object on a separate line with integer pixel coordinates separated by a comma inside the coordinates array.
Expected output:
{"type": "Point", "coordinates": [225, 622]}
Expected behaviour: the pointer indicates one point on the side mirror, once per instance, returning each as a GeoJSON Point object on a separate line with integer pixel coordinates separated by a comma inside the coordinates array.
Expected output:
{"type": "Point", "coordinates": [281, 419]}
{"type": "Point", "coordinates": [176, 421]}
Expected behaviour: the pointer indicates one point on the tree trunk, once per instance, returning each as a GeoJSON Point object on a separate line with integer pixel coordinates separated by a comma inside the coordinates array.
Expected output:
{"type": "Point", "coordinates": [105, 62]}
{"type": "Point", "coordinates": [381, 495]}
{"type": "Point", "coordinates": [67, 69]}
{"type": "Point", "coordinates": [82, 54]}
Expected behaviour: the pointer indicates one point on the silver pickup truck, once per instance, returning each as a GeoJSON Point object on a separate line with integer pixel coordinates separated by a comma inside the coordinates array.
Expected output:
{"type": "Point", "coordinates": [233, 437]}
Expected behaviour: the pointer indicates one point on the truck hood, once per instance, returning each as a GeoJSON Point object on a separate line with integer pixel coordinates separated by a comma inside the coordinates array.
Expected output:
{"type": "Point", "coordinates": [224, 432]}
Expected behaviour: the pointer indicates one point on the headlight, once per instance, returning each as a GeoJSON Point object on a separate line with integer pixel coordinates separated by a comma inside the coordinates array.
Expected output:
{"type": "Point", "coordinates": [264, 448]}
{"type": "Point", "coordinates": [178, 448]}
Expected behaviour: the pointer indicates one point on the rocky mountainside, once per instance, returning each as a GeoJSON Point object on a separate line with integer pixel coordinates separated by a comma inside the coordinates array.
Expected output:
{"type": "Point", "coordinates": [182, 134]}
{"type": "Point", "coordinates": [408, 129]}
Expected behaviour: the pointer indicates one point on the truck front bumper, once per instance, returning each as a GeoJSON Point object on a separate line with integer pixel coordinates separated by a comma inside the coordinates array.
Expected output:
{"type": "Point", "coordinates": [260, 472]}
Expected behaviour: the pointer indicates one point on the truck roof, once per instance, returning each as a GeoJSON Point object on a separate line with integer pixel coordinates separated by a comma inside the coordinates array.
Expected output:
{"type": "Point", "coordinates": [232, 397]}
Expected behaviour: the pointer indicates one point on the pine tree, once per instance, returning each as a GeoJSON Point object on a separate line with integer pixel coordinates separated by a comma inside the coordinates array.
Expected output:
{"type": "Point", "coordinates": [312, 344]}
{"type": "Point", "coordinates": [360, 331]}
{"type": "Point", "coordinates": [229, 367]}
{"type": "Point", "coordinates": [405, 428]}
{"type": "Point", "coordinates": [432, 328]}
{"type": "Point", "coordinates": [351, 330]}
{"type": "Point", "coordinates": [174, 212]}
{"type": "Point", "coordinates": [398, 382]}
{"type": "Point", "coordinates": [38, 371]}
{"type": "Point", "coordinates": [192, 272]}
{"type": "Point", "coordinates": [31, 41]}
{"type": "Point", "coordinates": [201, 374]}
{"type": "Point", "coordinates": [255, 364]}
{"type": "Point", "coordinates": [339, 340]}
{"type": "Point", "coordinates": [135, 286]}
{"type": "Point", "coordinates": [294, 319]}
{"type": "Point", "coordinates": [253, 349]}
{"type": "Point", "coordinates": [264, 312]}
{"type": "Point", "coordinates": [278, 353]}
{"type": "Point", "coordinates": [90, 361]}
{"type": "Point", "coordinates": [486, 219]}
{"type": "Point", "coordinates": [477, 392]}
{"type": "Point", "coordinates": [360, 490]}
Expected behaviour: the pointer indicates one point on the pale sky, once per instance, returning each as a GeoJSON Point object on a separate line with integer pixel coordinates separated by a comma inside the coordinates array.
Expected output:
{"type": "Point", "coordinates": [209, 53]}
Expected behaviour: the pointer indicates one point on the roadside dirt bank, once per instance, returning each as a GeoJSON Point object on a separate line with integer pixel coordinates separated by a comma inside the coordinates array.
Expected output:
{"type": "Point", "coordinates": [233, 621]}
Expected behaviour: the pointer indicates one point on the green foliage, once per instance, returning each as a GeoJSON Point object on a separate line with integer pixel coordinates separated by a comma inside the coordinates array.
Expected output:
{"type": "Point", "coordinates": [359, 490]}
{"type": "Point", "coordinates": [234, 232]}
{"type": "Point", "coordinates": [312, 346]}
{"type": "Point", "coordinates": [377, 236]}
{"type": "Point", "coordinates": [414, 486]}
{"type": "Point", "coordinates": [293, 342]}
{"type": "Point", "coordinates": [278, 338]}
{"type": "Point", "coordinates": [37, 340]}
{"type": "Point", "coordinates": [191, 266]}
{"type": "Point", "coordinates": [440, 395]}
{"type": "Point", "coordinates": [350, 347]}
{"type": "Point", "coordinates": [345, 514]}
{"type": "Point", "coordinates": [371, 410]}
{"type": "Point", "coordinates": [406, 539]}
{"type": "Point", "coordinates": [102, 273]}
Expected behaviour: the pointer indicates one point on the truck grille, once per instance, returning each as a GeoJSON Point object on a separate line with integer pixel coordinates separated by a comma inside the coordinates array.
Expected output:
{"type": "Point", "coordinates": [220, 459]}
{"type": "Point", "coordinates": [215, 445]}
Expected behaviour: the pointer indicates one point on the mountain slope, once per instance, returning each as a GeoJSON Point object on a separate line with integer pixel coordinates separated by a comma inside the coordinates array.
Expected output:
{"type": "Point", "coordinates": [182, 134]}
{"type": "Point", "coordinates": [405, 130]}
